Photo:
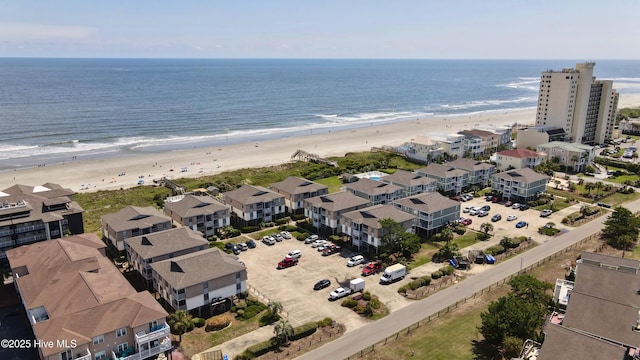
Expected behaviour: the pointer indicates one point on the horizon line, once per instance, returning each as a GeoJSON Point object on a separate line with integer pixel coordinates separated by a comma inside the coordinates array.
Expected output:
{"type": "Point", "coordinates": [308, 58]}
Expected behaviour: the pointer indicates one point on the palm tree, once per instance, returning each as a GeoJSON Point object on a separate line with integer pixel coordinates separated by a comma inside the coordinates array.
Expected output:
{"type": "Point", "coordinates": [180, 322]}
{"type": "Point", "coordinates": [446, 234]}
{"type": "Point", "coordinates": [580, 181]}
{"type": "Point", "coordinates": [283, 331]}
{"type": "Point", "coordinates": [275, 308]}
{"type": "Point", "coordinates": [486, 228]}
{"type": "Point", "coordinates": [557, 182]}
{"type": "Point", "coordinates": [598, 186]}
{"type": "Point", "coordinates": [589, 186]}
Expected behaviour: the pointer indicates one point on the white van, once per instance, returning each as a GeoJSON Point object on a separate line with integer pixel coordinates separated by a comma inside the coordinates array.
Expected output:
{"type": "Point", "coordinates": [295, 254]}
{"type": "Point", "coordinates": [311, 239]}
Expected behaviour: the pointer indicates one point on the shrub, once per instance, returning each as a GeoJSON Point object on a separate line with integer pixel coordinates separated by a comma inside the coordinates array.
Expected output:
{"type": "Point", "coordinates": [262, 348]}
{"type": "Point", "coordinates": [291, 228]}
{"type": "Point", "coordinates": [235, 232]}
{"type": "Point", "coordinates": [198, 322]}
{"type": "Point", "coordinates": [436, 274]}
{"type": "Point", "coordinates": [298, 217]}
{"type": "Point", "coordinates": [495, 250]}
{"type": "Point", "coordinates": [302, 236]}
{"type": "Point", "coordinates": [252, 310]}
{"type": "Point", "coordinates": [268, 318]}
{"type": "Point", "coordinates": [403, 289]}
{"type": "Point", "coordinates": [304, 330]}
{"type": "Point", "coordinates": [366, 296]}
{"type": "Point", "coordinates": [460, 229]}
{"type": "Point", "coordinates": [240, 313]}
{"type": "Point", "coordinates": [241, 305]}
{"type": "Point", "coordinates": [217, 323]}
{"type": "Point", "coordinates": [283, 221]}
{"type": "Point", "coordinates": [325, 322]}
{"type": "Point", "coordinates": [250, 229]}
{"type": "Point", "coordinates": [447, 270]}
{"type": "Point", "coordinates": [350, 303]}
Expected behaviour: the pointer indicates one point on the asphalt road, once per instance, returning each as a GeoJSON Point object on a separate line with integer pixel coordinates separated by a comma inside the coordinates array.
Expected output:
{"type": "Point", "coordinates": [355, 341]}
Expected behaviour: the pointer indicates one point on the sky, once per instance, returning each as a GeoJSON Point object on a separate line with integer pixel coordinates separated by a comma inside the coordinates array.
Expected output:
{"type": "Point", "coordinates": [355, 29]}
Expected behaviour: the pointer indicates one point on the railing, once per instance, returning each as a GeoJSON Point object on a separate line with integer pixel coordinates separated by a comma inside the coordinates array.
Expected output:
{"type": "Point", "coordinates": [84, 357]}
{"type": "Point", "coordinates": [161, 332]}
{"type": "Point", "coordinates": [144, 354]}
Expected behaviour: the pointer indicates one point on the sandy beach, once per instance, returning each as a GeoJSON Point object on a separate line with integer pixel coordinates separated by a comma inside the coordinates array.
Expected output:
{"type": "Point", "coordinates": [115, 173]}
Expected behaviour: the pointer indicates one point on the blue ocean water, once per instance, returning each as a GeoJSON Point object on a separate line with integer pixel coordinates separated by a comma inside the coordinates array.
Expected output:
{"type": "Point", "coordinates": [57, 108]}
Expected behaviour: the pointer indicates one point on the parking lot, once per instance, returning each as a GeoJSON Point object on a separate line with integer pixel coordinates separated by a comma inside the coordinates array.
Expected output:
{"type": "Point", "coordinates": [293, 286]}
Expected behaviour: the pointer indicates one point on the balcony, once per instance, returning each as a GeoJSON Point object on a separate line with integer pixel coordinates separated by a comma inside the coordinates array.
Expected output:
{"type": "Point", "coordinates": [157, 333]}
{"type": "Point", "coordinates": [165, 345]}
{"type": "Point", "coordinates": [84, 357]}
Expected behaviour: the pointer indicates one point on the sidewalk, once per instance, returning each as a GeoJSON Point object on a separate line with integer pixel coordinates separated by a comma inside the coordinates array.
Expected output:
{"type": "Point", "coordinates": [236, 346]}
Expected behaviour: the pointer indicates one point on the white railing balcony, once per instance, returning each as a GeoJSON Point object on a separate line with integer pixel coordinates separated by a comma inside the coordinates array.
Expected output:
{"type": "Point", "coordinates": [165, 345]}
{"type": "Point", "coordinates": [161, 331]}
{"type": "Point", "coordinates": [84, 357]}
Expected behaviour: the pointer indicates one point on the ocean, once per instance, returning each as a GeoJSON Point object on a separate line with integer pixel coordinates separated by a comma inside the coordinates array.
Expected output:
{"type": "Point", "coordinates": [55, 109]}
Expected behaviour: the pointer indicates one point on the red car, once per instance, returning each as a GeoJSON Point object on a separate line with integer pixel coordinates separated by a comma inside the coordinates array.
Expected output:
{"type": "Point", "coordinates": [287, 262]}
{"type": "Point", "coordinates": [331, 249]}
{"type": "Point", "coordinates": [466, 222]}
{"type": "Point", "coordinates": [371, 268]}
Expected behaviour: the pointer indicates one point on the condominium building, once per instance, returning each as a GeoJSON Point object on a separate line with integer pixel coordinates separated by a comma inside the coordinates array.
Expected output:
{"type": "Point", "coordinates": [132, 221]}
{"type": "Point", "coordinates": [251, 205]}
{"type": "Point", "coordinates": [575, 101]}
{"type": "Point", "coordinates": [448, 179]}
{"type": "Point", "coordinates": [377, 192]}
{"type": "Point", "coordinates": [572, 155]}
{"type": "Point", "coordinates": [410, 183]}
{"type": "Point", "coordinates": [200, 213]}
{"type": "Point", "coordinates": [30, 214]}
{"type": "Point", "coordinates": [480, 142]}
{"type": "Point", "coordinates": [325, 212]}
{"type": "Point", "coordinates": [479, 172]}
{"type": "Point", "coordinates": [519, 185]}
{"type": "Point", "coordinates": [364, 229]}
{"type": "Point", "coordinates": [531, 136]}
{"type": "Point", "coordinates": [431, 210]}
{"type": "Point", "coordinates": [518, 159]}
{"type": "Point", "coordinates": [79, 302]}
{"type": "Point", "coordinates": [295, 190]}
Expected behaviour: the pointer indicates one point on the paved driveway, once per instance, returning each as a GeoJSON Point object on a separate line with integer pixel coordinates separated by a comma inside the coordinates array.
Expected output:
{"type": "Point", "coordinates": [293, 287]}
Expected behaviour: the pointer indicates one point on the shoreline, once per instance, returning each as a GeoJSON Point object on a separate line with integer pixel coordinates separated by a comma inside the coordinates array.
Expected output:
{"type": "Point", "coordinates": [105, 173]}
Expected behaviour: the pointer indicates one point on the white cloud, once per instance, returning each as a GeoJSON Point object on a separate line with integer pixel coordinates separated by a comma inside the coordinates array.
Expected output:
{"type": "Point", "coordinates": [13, 31]}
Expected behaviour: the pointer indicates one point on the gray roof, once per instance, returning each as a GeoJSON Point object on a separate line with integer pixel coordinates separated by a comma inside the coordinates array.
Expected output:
{"type": "Point", "coordinates": [406, 178]}
{"type": "Point", "coordinates": [296, 185]}
{"type": "Point", "coordinates": [470, 164]}
{"type": "Point", "coordinates": [441, 170]}
{"type": "Point", "coordinates": [33, 199]}
{"type": "Point", "coordinates": [608, 260]}
{"type": "Point", "coordinates": [427, 202]}
{"type": "Point", "coordinates": [525, 174]}
{"type": "Point", "coordinates": [604, 302]}
{"type": "Point", "coordinates": [198, 267]}
{"type": "Point", "coordinates": [192, 205]}
{"type": "Point", "coordinates": [165, 242]}
{"type": "Point", "coordinates": [568, 344]}
{"type": "Point", "coordinates": [372, 187]}
{"type": "Point", "coordinates": [134, 217]}
{"type": "Point", "coordinates": [249, 194]}
{"type": "Point", "coordinates": [337, 201]}
{"type": "Point", "coordinates": [475, 132]}
{"type": "Point", "coordinates": [371, 216]}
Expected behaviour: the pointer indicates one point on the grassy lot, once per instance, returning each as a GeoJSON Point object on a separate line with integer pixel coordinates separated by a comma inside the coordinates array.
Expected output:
{"type": "Point", "coordinates": [619, 198]}
{"type": "Point", "coordinates": [198, 340]}
{"type": "Point", "coordinates": [624, 178]}
{"type": "Point", "coordinates": [334, 183]}
{"type": "Point", "coordinates": [424, 255]}
{"type": "Point", "coordinates": [469, 238]}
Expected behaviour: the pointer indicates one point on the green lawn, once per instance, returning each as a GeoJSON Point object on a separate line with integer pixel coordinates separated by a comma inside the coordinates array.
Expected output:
{"type": "Point", "coordinates": [334, 183]}
{"type": "Point", "coordinates": [468, 239]}
{"type": "Point", "coordinates": [624, 178]}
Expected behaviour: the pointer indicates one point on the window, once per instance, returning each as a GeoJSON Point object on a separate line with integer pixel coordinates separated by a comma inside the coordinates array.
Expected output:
{"type": "Point", "coordinates": [98, 339]}
{"type": "Point", "coordinates": [121, 332]}
{"type": "Point", "coordinates": [66, 355]}
{"type": "Point", "coordinates": [102, 355]}
{"type": "Point", "coordinates": [123, 347]}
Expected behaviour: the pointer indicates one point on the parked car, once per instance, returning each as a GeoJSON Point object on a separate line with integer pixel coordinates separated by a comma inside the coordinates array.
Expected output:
{"type": "Point", "coordinates": [524, 207]}
{"type": "Point", "coordinates": [324, 246]}
{"type": "Point", "coordinates": [251, 244]}
{"type": "Point", "coordinates": [322, 284]}
{"type": "Point", "coordinates": [495, 199]}
{"type": "Point", "coordinates": [355, 260]}
{"type": "Point", "coordinates": [467, 209]}
{"type": "Point", "coordinates": [546, 212]}
{"type": "Point", "coordinates": [488, 198]}
{"type": "Point", "coordinates": [286, 235]}
{"type": "Point", "coordinates": [515, 206]}
{"type": "Point", "coordinates": [236, 250]}
{"type": "Point", "coordinates": [318, 242]}
{"type": "Point", "coordinates": [311, 239]}
{"type": "Point", "coordinates": [339, 293]}
{"type": "Point", "coordinates": [295, 254]}
{"type": "Point", "coordinates": [287, 262]}
{"type": "Point", "coordinates": [521, 224]}
{"type": "Point", "coordinates": [331, 249]}
{"type": "Point", "coordinates": [268, 240]}
{"type": "Point", "coordinates": [229, 246]}
{"type": "Point", "coordinates": [485, 208]}
{"type": "Point", "coordinates": [278, 237]}
{"type": "Point", "coordinates": [496, 217]}
{"type": "Point", "coordinates": [371, 268]}
{"type": "Point", "coordinates": [511, 217]}
{"type": "Point", "coordinates": [466, 222]}
{"type": "Point", "coordinates": [608, 206]}
{"type": "Point", "coordinates": [474, 211]}
{"type": "Point", "coordinates": [243, 246]}
{"type": "Point", "coordinates": [483, 213]}
{"type": "Point", "coordinates": [508, 203]}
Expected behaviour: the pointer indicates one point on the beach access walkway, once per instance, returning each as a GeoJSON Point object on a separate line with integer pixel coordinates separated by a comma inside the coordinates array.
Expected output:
{"type": "Point", "coordinates": [236, 346]}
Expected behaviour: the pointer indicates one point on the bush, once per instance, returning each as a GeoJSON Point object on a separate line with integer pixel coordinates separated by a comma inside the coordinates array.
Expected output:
{"type": "Point", "coordinates": [304, 330]}
{"type": "Point", "coordinates": [250, 229]}
{"type": "Point", "coordinates": [251, 311]}
{"type": "Point", "coordinates": [198, 322]}
{"type": "Point", "coordinates": [262, 348]}
{"type": "Point", "coordinates": [436, 274]}
{"type": "Point", "coordinates": [240, 313]}
{"type": "Point", "coordinates": [302, 236]}
{"type": "Point", "coordinates": [366, 296]}
{"type": "Point", "coordinates": [460, 229]}
{"type": "Point", "coordinates": [235, 232]}
{"type": "Point", "coordinates": [268, 318]}
{"type": "Point", "coordinates": [290, 228]}
{"type": "Point", "coordinates": [217, 323]}
{"type": "Point", "coordinates": [495, 250]}
{"type": "Point", "coordinates": [283, 221]}
{"type": "Point", "coordinates": [298, 217]}
{"type": "Point", "coordinates": [447, 270]}
{"type": "Point", "coordinates": [350, 303]}
{"type": "Point", "coordinates": [325, 322]}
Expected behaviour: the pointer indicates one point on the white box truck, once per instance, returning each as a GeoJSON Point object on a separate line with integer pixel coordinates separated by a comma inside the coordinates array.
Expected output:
{"type": "Point", "coordinates": [393, 273]}
{"type": "Point", "coordinates": [356, 285]}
